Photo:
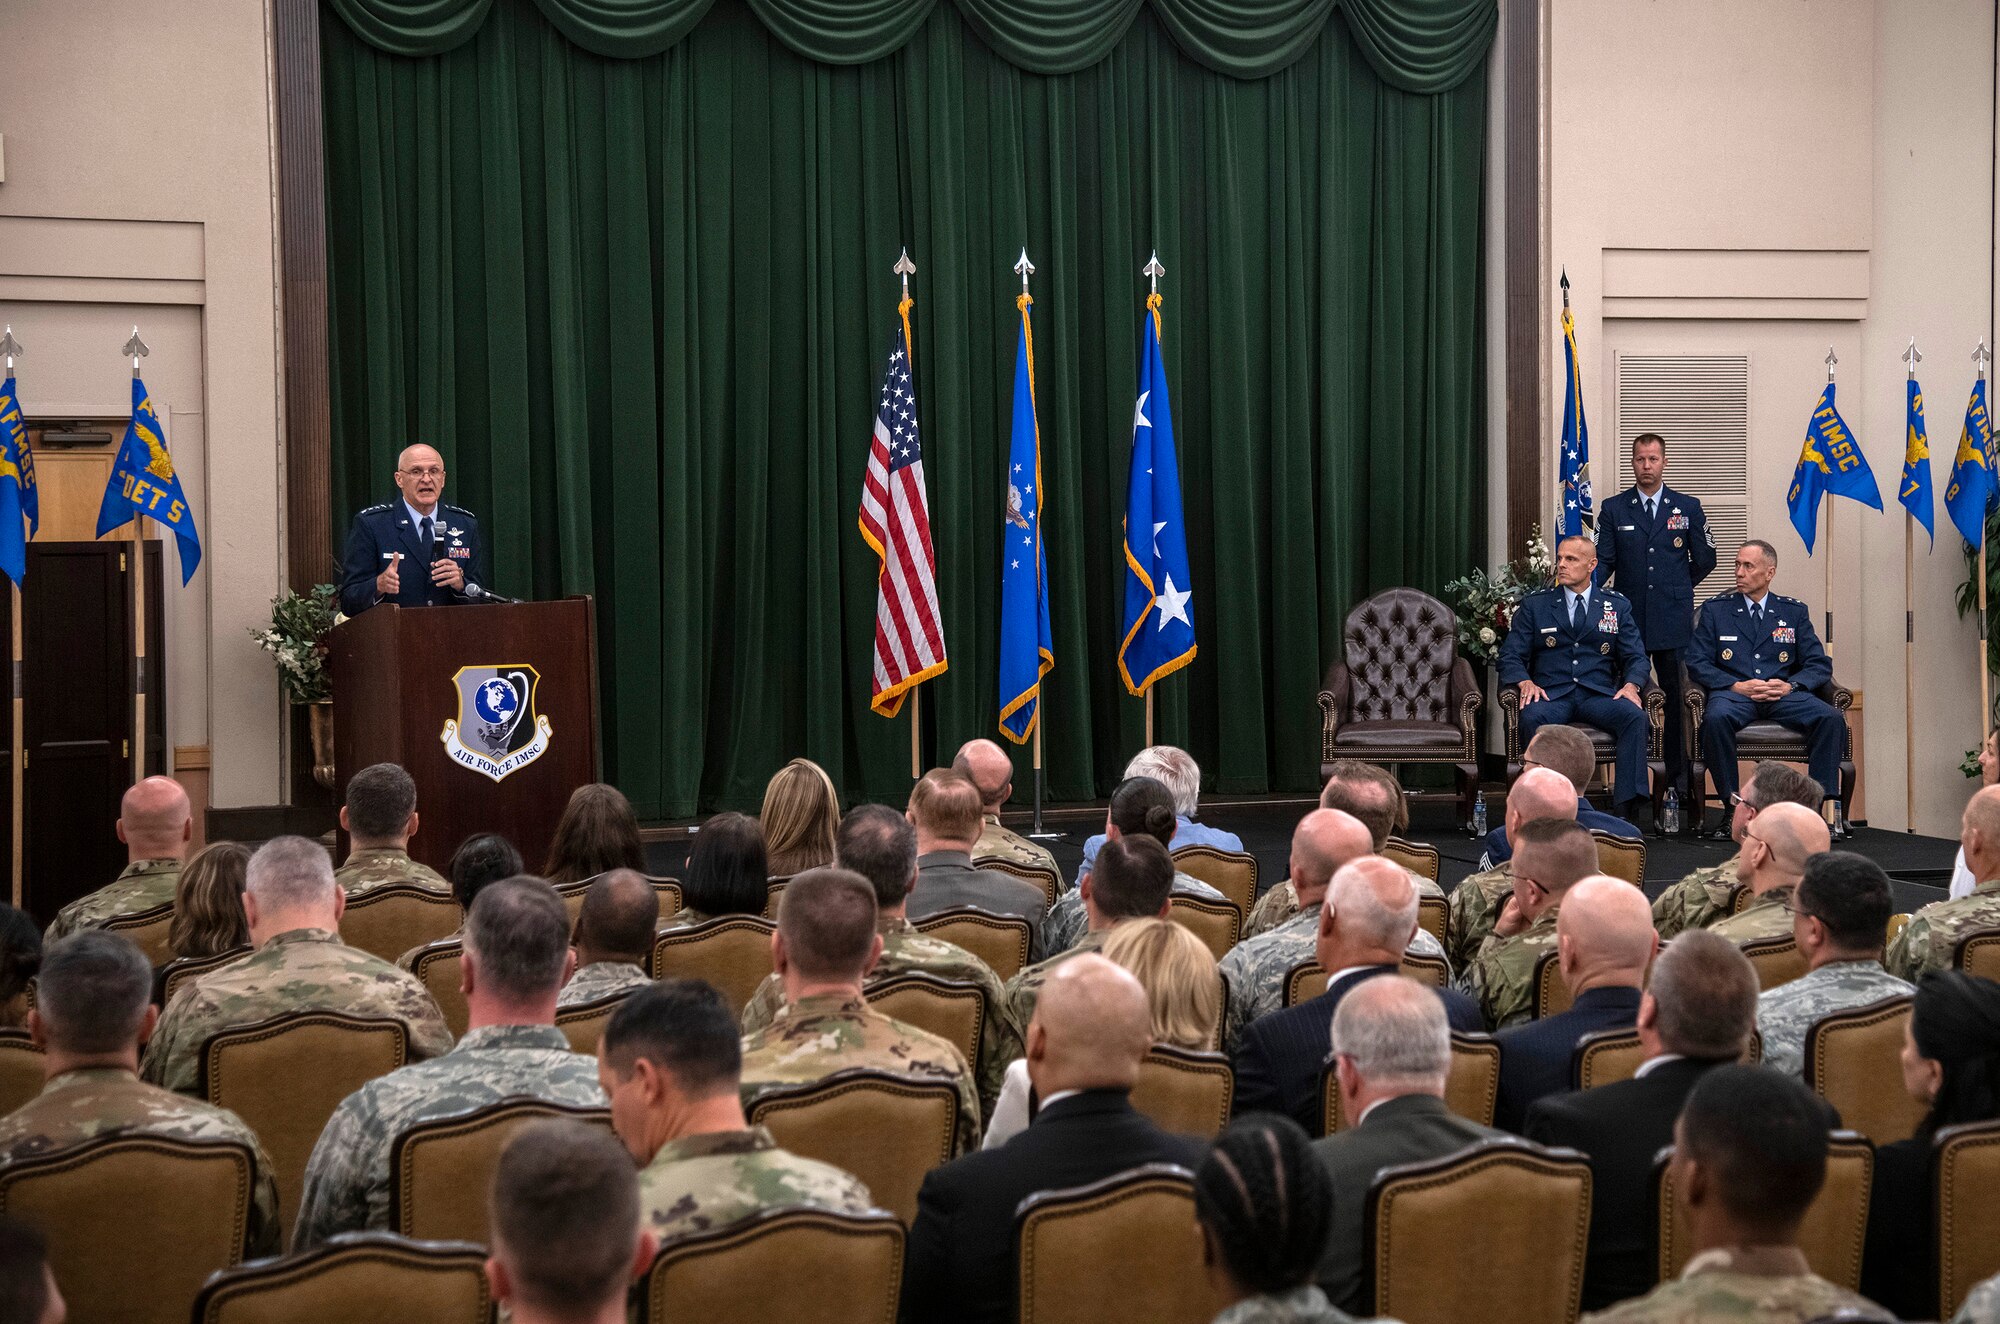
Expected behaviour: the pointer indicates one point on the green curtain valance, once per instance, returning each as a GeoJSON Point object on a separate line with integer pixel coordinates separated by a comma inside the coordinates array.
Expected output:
{"type": "Point", "coordinates": [1423, 46]}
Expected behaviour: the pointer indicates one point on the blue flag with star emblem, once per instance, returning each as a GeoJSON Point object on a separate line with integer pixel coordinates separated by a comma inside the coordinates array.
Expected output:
{"type": "Point", "coordinates": [19, 497]}
{"type": "Point", "coordinates": [1575, 516]}
{"type": "Point", "coordinates": [143, 482]}
{"type": "Point", "coordinates": [1969, 494]}
{"type": "Point", "coordinates": [1830, 462]}
{"type": "Point", "coordinates": [1915, 493]}
{"type": "Point", "coordinates": [1159, 627]}
{"type": "Point", "coordinates": [1027, 648]}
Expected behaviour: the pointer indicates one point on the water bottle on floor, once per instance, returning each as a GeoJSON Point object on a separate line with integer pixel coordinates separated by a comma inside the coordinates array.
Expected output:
{"type": "Point", "coordinates": [1479, 815]}
{"type": "Point", "coordinates": [1671, 816]}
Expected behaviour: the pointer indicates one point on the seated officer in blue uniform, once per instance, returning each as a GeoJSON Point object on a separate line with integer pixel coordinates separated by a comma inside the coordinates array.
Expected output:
{"type": "Point", "coordinates": [1576, 655]}
{"type": "Point", "coordinates": [415, 551]}
{"type": "Point", "coordinates": [1758, 658]}
{"type": "Point", "coordinates": [1653, 545]}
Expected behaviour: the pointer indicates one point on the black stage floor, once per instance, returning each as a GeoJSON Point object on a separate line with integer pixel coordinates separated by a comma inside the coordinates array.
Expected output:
{"type": "Point", "coordinates": [1919, 867]}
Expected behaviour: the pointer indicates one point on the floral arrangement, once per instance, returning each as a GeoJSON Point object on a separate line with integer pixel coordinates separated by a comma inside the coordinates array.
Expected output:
{"type": "Point", "coordinates": [1486, 601]}
{"type": "Point", "coordinates": [296, 637]}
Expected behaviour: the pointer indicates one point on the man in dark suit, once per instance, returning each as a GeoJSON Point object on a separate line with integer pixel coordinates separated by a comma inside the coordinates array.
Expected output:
{"type": "Point", "coordinates": [1365, 922]}
{"type": "Point", "coordinates": [1575, 654]}
{"type": "Point", "coordinates": [414, 551]}
{"type": "Point", "coordinates": [1757, 656]}
{"type": "Point", "coordinates": [1604, 942]}
{"type": "Point", "coordinates": [1653, 543]}
{"type": "Point", "coordinates": [1091, 1028]}
{"type": "Point", "coordinates": [945, 808]}
{"type": "Point", "coordinates": [1392, 1051]}
{"type": "Point", "coordinates": [1696, 1015]}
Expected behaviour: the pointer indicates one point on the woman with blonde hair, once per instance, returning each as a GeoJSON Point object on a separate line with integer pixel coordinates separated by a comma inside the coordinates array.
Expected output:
{"type": "Point", "coordinates": [208, 902]}
{"type": "Point", "coordinates": [1183, 993]}
{"type": "Point", "coordinates": [800, 816]}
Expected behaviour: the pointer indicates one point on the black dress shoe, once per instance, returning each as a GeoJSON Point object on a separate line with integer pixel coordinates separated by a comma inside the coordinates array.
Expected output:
{"type": "Point", "coordinates": [1720, 834]}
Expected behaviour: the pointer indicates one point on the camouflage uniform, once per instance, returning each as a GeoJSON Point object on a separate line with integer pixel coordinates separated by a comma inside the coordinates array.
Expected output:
{"type": "Point", "coordinates": [1749, 1285]}
{"type": "Point", "coordinates": [1282, 902]}
{"type": "Point", "coordinates": [1982, 1304]}
{"type": "Point", "coordinates": [1025, 988]}
{"type": "Point", "coordinates": [1501, 977]}
{"type": "Point", "coordinates": [370, 867]}
{"type": "Point", "coordinates": [1786, 1013]}
{"type": "Point", "coordinates": [812, 1038]}
{"type": "Point", "coordinates": [1474, 909]}
{"type": "Point", "coordinates": [1256, 970]}
{"type": "Point", "coordinates": [347, 1178]}
{"type": "Point", "coordinates": [1696, 901]}
{"type": "Point", "coordinates": [995, 840]}
{"type": "Point", "coordinates": [600, 979]}
{"type": "Point", "coordinates": [904, 951]}
{"type": "Point", "coordinates": [1067, 920]}
{"type": "Point", "coordinates": [1768, 916]}
{"type": "Point", "coordinates": [1926, 941]}
{"type": "Point", "coordinates": [1301, 1305]}
{"type": "Point", "coordinates": [301, 970]}
{"type": "Point", "coordinates": [143, 885]}
{"type": "Point", "coordinates": [718, 1180]}
{"type": "Point", "coordinates": [100, 1101]}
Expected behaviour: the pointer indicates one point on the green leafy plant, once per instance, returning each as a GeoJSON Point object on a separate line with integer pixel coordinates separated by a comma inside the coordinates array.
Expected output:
{"type": "Point", "coordinates": [1969, 765]}
{"type": "Point", "coordinates": [1486, 600]}
{"type": "Point", "coordinates": [1968, 595]}
{"type": "Point", "coordinates": [296, 639]}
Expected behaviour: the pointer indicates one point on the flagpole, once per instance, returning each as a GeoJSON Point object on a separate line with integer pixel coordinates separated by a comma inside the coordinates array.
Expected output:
{"type": "Point", "coordinates": [1027, 269]}
{"type": "Point", "coordinates": [906, 268]}
{"type": "Point", "coordinates": [1912, 356]}
{"type": "Point", "coordinates": [1152, 271]}
{"type": "Point", "coordinates": [137, 349]}
{"type": "Point", "coordinates": [1981, 356]}
{"type": "Point", "coordinates": [17, 774]}
{"type": "Point", "coordinates": [1839, 809]}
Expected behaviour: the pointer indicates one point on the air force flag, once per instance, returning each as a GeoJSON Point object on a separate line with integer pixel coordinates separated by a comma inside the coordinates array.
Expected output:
{"type": "Point", "coordinates": [143, 482]}
{"type": "Point", "coordinates": [1159, 622]}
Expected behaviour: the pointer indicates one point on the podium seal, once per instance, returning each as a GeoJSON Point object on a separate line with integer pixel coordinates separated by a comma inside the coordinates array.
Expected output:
{"type": "Point", "coordinates": [497, 730]}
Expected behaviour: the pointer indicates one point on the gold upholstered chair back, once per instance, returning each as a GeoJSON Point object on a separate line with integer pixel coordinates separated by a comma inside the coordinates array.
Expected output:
{"type": "Point", "coordinates": [954, 1010]}
{"type": "Point", "coordinates": [1185, 1092]}
{"type": "Point", "coordinates": [1141, 1217]}
{"type": "Point", "coordinates": [1216, 923]}
{"type": "Point", "coordinates": [148, 929]}
{"type": "Point", "coordinates": [1230, 872]}
{"type": "Point", "coordinates": [886, 1129]}
{"type": "Point", "coordinates": [437, 967]}
{"type": "Point", "coordinates": [1834, 1228]}
{"type": "Point", "coordinates": [21, 1073]}
{"type": "Point", "coordinates": [439, 1170]}
{"type": "Point", "coordinates": [750, 1273]}
{"type": "Point", "coordinates": [366, 1278]}
{"type": "Point", "coordinates": [391, 919]}
{"type": "Point", "coordinates": [732, 952]}
{"type": "Point", "coordinates": [1854, 1060]}
{"type": "Point", "coordinates": [1965, 1166]}
{"type": "Point", "coordinates": [1002, 941]}
{"type": "Point", "coordinates": [1046, 878]}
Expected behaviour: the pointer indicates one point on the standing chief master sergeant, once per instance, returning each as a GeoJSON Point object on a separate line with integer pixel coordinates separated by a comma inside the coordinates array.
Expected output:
{"type": "Point", "coordinates": [1758, 658]}
{"type": "Point", "coordinates": [415, 551]}
{"type": "Point", "coordinates": [1576, 655]}
{"type": "Point", "coordinates": [1653, 544]}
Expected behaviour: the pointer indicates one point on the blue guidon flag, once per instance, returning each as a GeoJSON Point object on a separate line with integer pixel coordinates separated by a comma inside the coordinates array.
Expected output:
{"type": "Point", "coordinates": [1830, 462]}
{"type": "Point", "coordinates": [1159, 625]}
{"type": "Point", "coordinates": [1970, 492]}
{"type": "Point", "coordinates": [143, 482]}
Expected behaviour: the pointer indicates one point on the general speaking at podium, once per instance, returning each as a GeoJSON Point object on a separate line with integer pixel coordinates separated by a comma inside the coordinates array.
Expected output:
{"type": "Point", "coordinates": [414, 551]}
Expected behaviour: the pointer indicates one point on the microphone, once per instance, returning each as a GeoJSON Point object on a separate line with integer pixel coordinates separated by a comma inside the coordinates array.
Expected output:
{"type": "Point", "coordinates": [478, 594]}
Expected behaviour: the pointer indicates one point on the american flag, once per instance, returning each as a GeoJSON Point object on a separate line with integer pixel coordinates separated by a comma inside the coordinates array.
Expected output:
{"type": "Point", "coordinates": [896, 521]}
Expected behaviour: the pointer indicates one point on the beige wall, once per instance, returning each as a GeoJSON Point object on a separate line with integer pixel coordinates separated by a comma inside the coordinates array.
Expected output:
{"type": "Point", "coordinates": [1773, 179]}
{"type": "Point", "coordinates": [139, 190]}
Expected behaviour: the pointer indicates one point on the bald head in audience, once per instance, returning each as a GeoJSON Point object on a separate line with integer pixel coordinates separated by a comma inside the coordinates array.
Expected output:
{"type": "Point", "coordinates": [1324, 840]}
{"type": "Point", "coordinates": [1539, 793]}
{"type": "Point", "coordinates": [1979, 834]}
{"type": "Point", "coordinates": [155, 821]}
{"type": "Point", "coordinates": [1701, 1001]}
{"type": "Point", "coordinates": [1777, 843]}
{"type": "Point", "coordinates": [1368, 916]}
{"type": "Point", "coordinates": [987, 767]}
{"type": "Point", "coordinates": [1092, 1026]}
{"type": "Point", "coordinates": [1605, 935]}
{"type": "Point", "coordinates": [617, 920]}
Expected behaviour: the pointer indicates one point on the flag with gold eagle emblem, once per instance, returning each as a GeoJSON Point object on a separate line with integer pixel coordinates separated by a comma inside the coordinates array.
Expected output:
{"type": "Point", "coordinates": [143, 482]}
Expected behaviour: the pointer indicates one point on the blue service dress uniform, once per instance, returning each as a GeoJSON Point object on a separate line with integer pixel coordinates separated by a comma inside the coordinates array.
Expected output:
{"type": "Point", "coordinates": [1656, 560]}
{"type": "Point", "coordinates": [380, 531]}
{"type": "Point", "coordinates": [1732, 643]}
{"type": "Point", "coordinates": [1581, 665]}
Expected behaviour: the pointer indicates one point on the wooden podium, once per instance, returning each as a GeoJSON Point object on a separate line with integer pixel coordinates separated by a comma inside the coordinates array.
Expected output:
{"type": "Point", "coordinates": [491, 707]}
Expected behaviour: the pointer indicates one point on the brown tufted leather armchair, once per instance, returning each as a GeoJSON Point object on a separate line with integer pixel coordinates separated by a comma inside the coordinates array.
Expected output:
{"type": "Point", "coordinates": [1401, 693]}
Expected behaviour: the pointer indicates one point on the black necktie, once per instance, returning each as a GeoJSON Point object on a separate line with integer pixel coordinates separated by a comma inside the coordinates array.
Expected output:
{"type": "Point", "coordinates": [430, 553]}
{"type": "Point", "coordinates": [1576, 615]}
{"type": "Point", "coordinates": [1757, 614]}
{"type": "Point", "coordinates": [1652, 509]}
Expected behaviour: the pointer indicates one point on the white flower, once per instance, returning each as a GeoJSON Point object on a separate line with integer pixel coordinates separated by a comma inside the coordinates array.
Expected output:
{"type": "Point", "coordinates": [1486, 635]}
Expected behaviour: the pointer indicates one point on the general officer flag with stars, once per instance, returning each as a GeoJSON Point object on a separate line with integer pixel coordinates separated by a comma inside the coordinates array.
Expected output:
{"type": "Point", "coordinates": [1027, 648]}
{"type": "Point", "coordinates": [1915, 493]}
{"type": "Point", "coordinates": [1830, 462]}
{"type": "Point", "coordinates": [1575, 516]}
{"type": "Point", "coordinates": [1159, 628]}
{"type": "Point", "coordinates": [19, 497]}
{"type": "Point", "coordinates": [143, 482]}
{"type": "Point", "coordinates": [1969, 494]}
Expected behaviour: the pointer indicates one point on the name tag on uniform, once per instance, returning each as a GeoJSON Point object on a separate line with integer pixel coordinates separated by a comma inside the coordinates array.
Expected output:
{"type": "Point", "coordinates": [1628, 528]}
{"type": "Point", "coordinates": [1727, 638]}
{"type": "Point", "coordinates": [1549, 629]}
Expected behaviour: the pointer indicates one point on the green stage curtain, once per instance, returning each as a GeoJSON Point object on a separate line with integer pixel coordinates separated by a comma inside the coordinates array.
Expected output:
{"type": "Point", "coordinates": [641, 306]}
